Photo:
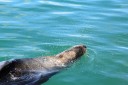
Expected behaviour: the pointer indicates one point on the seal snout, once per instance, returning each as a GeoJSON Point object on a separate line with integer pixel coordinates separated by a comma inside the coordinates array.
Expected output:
{"type": "Point", "coordinates": [84, 46]}
{"type": "Point", "coordinates": [79, 50]}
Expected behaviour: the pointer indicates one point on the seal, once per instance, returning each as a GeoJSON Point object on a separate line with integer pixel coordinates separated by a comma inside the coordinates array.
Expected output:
{"type": "Point", "coordinates": [35, 71]}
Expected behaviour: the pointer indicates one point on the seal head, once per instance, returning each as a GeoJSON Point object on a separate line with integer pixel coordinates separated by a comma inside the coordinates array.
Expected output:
{"type": "Point", "coordinates": [71, 54]}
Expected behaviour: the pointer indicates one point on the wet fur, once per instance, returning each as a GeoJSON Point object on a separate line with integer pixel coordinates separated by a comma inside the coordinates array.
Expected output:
{"type": "Point", "coordinates": [23, 68]}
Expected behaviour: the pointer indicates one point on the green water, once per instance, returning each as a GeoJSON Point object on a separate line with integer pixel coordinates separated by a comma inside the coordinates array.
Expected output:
{"type": "Point", "coordinates": [31, 28]}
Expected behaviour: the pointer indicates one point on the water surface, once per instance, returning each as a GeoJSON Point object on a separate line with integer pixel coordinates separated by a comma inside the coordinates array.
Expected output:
{"type": "Point", "coordinates": [31, 28]}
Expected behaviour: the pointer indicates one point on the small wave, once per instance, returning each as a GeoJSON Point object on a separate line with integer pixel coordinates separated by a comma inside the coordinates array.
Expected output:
{"type": "Point", "coordinates": [5, 0]}
{"type": "Point", "coordinates": [124, 48]}
{"type": "Point", "coordinates": [62, 13]}
{"type": "Point", "coordinates": [78, 35]}
{"type": "Point", "coordinates": [93, 54]}
{"type": "Point", "coordinates": [115, 75]}
{"type": "Point", "coordinates": [61, 4]}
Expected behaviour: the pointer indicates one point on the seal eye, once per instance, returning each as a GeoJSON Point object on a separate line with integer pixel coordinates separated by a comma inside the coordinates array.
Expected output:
{"type": "Point", "coordinates": [60, 56]}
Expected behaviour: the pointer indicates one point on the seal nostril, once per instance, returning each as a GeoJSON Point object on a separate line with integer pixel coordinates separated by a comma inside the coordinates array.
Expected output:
{"type": "Point", "coordinates": [84, 46]}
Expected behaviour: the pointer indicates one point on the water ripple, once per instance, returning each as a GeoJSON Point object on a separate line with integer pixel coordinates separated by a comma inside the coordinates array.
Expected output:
{"type": "Point", "coordinates": [61, 4]}
{"type": "Point", "coordinates": [5, 0]}
{"type": "Point", "coordinates": [62, 13]}
{"type": "Point", "coordinates": [31, 28]}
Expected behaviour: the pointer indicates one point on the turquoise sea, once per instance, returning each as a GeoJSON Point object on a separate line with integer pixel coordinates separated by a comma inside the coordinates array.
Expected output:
{"type": "Point", "coordinates": [32, 28]}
